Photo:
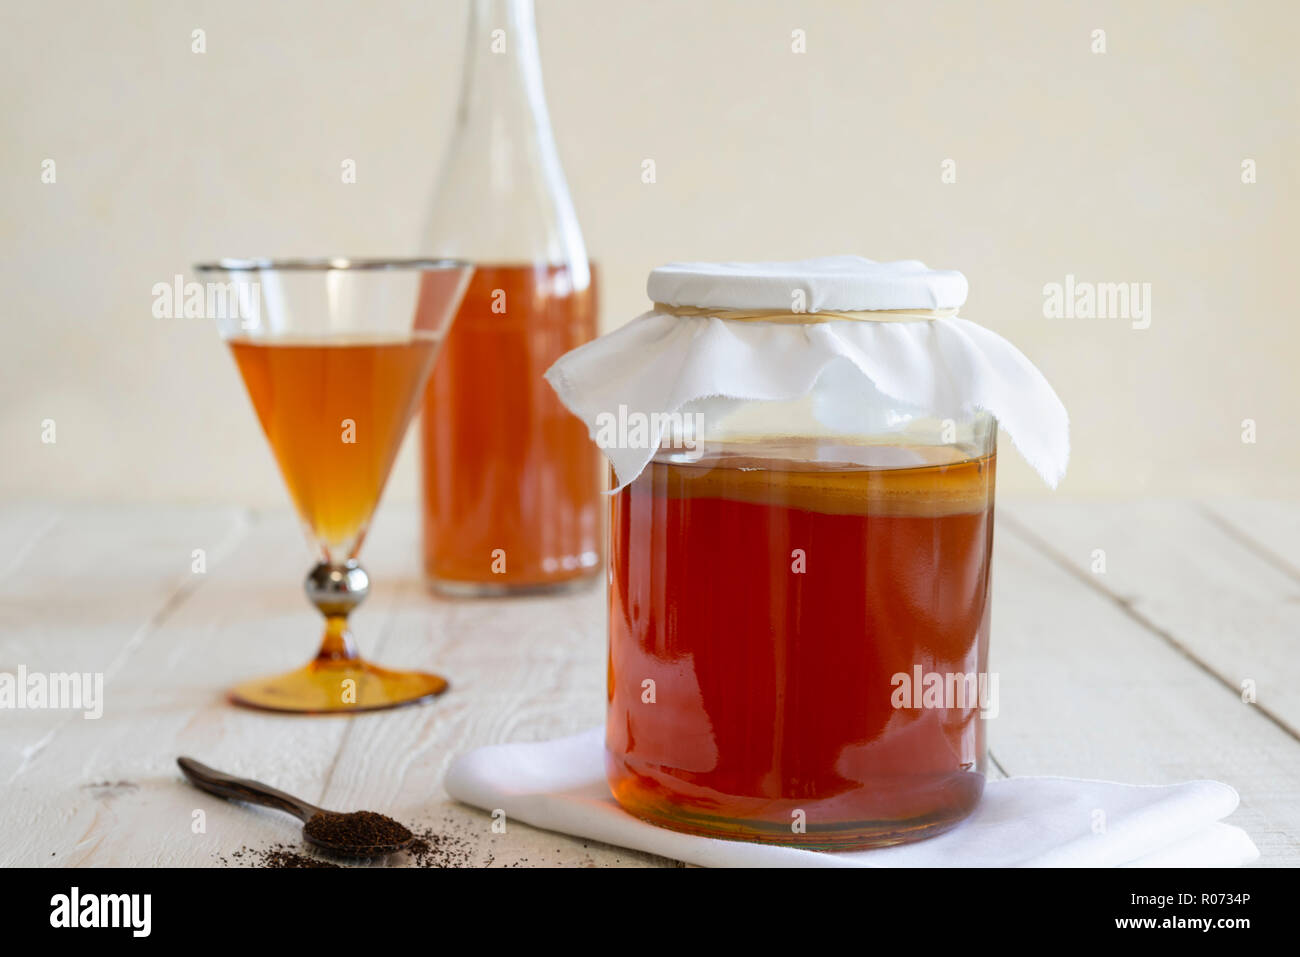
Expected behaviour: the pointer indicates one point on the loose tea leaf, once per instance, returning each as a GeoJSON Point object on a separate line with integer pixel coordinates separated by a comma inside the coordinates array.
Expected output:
{"type": "Point", "coordinates": [359, 829]}
{"type": "Point", "coordinates": [429, 849]}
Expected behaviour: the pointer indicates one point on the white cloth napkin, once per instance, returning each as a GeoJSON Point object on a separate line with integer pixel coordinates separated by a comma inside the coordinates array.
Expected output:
{"type": "Point", "coordinates": [1021, 822]}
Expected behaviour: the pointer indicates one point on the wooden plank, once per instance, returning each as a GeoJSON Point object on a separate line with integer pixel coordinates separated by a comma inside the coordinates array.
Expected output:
{"type": "Point", "coordinates": [250, 618]}
{"type": "Point", "coordinates": [107, 791]}
{"type": "Point", "coordinates": [1192, 578]}
{"type": "Point", "coordinates": [524, 669]}
{"type": "Point", "coordinates": [1271, 529]}
{"type": "Point", "coordinates": [87, 598]}
{"type": "Point", "coordinates": [22, 525]}
{"type": "Point", "coordinates": [86, 590]}
{"type": "Point", "coordinates": [1089, 690]}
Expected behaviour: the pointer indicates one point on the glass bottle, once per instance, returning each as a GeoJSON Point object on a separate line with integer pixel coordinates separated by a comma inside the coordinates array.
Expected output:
{"type": "Point", "coordinates": [511, 482]}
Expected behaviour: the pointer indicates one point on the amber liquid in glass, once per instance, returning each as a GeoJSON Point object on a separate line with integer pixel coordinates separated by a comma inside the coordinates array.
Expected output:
{"type": "Point", "coordinates": [511, 480]}
{"type": "Point", "coordinates": [334, 413]}
{"type": "Point", "coordinates": [773, 687]}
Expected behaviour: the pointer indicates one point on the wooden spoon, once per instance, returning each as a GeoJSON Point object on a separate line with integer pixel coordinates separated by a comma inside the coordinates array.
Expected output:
{"type": "Point", "coordinates": [352, 834]}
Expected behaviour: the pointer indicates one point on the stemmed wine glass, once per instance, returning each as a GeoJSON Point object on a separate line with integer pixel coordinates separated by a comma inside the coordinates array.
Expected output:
{"type": "Point", "coordinates": [335, 354]}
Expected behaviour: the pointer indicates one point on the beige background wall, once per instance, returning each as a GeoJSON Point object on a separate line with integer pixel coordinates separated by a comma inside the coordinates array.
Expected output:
{"type": "Point", "coordinates": [1122, 167]}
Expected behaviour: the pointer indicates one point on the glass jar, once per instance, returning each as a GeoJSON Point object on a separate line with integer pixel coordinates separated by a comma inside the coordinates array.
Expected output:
{"type": "Point", "coordinates": [799, 623]}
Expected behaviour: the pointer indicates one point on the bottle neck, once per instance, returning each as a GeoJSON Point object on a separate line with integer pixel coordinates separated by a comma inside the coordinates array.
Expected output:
{"type": "Point", "coordinates": [501, 194]}
{"type": "Point", "coordinates": [502, 64]}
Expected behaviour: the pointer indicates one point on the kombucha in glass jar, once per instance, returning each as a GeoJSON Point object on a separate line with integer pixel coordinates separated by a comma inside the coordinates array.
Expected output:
{"type": "Point", "coordinates": [773, 589]}
{"type": "Point", "coordinates": [800, 545]}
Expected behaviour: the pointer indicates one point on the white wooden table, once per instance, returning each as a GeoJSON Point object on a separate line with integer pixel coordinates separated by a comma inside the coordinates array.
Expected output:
{"type": "Point", "coordinates": [1133, 674]}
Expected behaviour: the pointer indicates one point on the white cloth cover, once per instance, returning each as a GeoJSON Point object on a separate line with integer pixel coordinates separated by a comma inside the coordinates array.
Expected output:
{"type": "Point", "coordinates": [945, 368]}
{"type": "Point", "coordinates": [1020, 822]}
{"type": "Point", "coordinates": [831, 283]}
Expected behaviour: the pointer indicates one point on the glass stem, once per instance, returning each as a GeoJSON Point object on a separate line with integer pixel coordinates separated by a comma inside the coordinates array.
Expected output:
{"type": "Point", "coordinates": [335, 589]}
{"type": "Point", "coordinates": [337, 645]}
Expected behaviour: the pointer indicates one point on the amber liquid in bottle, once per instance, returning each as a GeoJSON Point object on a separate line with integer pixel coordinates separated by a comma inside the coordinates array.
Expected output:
{"type": "Point", "coordinates": [774, 684]}
{"type": "Point", "coordinates": [511, 480]}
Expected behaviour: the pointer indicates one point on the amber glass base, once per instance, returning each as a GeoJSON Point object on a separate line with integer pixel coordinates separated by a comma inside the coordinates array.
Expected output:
{"type": "Point", "coordinates": [337, 687]}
